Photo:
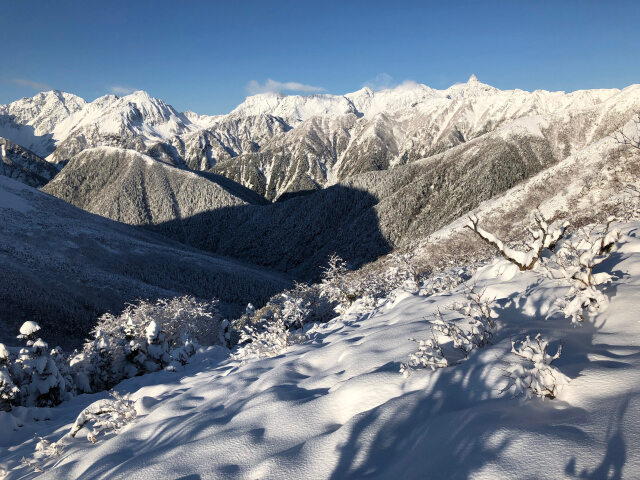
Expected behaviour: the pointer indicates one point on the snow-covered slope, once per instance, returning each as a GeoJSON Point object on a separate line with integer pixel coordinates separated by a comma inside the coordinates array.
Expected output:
{"type": "Point", "coordinates": [368, 214]}
{"type": "Point", "coordinates": [336, 406]}
{"type": "Point", "coordinates": [133, 188]}
{"type": "Point", "coordinates": [64, 267]}
{"type": "Point", "coordinates": [23, 165]}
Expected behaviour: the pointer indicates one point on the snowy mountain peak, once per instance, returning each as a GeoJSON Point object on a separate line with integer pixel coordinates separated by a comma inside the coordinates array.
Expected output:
{"type": "Point", "coordinates": [473, 79]}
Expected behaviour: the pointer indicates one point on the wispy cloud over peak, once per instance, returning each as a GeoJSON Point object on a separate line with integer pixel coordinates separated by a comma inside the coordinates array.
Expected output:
{"type": "Point", "coordinates": [121, 90]}
{"type": "Point", "coordinates": [254, 87]}
{"type": "Point", "coordinates": [23, 82]}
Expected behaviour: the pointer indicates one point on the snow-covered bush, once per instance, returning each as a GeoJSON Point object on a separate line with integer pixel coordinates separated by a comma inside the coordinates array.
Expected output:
{"type": "Point", "coordinates": [146, 337]}
{"type": "Point", "coordinates": [628, 207]}
{"type": "Point", "coordinates": [465, 337]}
{"type": "Point", "coordinates": [268, 340]}
{"type": "Point", "coordinates": [573, 264]}
{"type": "Point", "coordinates": [429, 355]}
{"type": "Point", "coordinates": [534, 374]}
{"type": "Point", "coordinates": [544, 236]}
{"type": "Point", "coordinates": [444, 280]}
{"type": "Point", "coordinates": [104, 416]}
{"type": "Point", "coordinates": [481, 317]}
{"type": "Point", "coordinates": [402, 271]}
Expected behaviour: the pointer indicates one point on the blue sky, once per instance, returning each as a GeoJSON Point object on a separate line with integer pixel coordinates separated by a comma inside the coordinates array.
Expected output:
{"type": "Point", "coordinates": [207, 56]}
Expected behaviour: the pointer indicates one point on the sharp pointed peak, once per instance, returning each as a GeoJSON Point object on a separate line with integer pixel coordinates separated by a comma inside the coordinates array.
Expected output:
{"type": "Point", "coordinates": [473, 79]}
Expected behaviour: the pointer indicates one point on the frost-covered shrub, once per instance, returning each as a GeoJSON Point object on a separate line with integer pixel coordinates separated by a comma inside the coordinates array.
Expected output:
{"type": "Point", "coordinates": [465, 336]}
{"type": "Point", "coordinates": [402, 271]}
{"type": "Point", "coordinates": [628, 207]}
{"type": "Point", "coordinates": [295, 308]}
{"type": "Point", "coordinates": [335, 285]}
{"type": "Point", "coordinates": [480, 316]}
{"type": "Point", "coordinates": [104, 417]}
{"type": "Point", "coordinates": [544, 236]}
{"type": "Point", "coordinates": [534, 374]}
{"type": "Point", "coordinates": [429, 355]}
{"type": "Point", "coordinates": [444, 280]}
{"type": "Point", "coordinates": [573, 265]}
{"type": "Point", "coordinates": [146, 337]}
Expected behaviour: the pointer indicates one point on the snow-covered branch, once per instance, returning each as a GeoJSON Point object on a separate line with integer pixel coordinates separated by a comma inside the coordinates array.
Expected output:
{"type": "Point", "coordinates": [545, 236]}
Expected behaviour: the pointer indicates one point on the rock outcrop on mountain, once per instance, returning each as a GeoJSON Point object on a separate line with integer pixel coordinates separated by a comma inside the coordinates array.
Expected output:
{"type": "Point", "coordinates": [63, 267]}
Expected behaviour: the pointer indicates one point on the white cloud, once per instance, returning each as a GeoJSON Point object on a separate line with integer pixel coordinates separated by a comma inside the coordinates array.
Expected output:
{"type": "Point", "coordinates": [254, 87]}
{"type": "Point", "coordinates": [30, 84]}
{"type": "Point", "coordinates": [380, 82]}
{"type": "Point", "coordinates": [383, 81]}
{"type": "Point", "coordinates": [121, 90]}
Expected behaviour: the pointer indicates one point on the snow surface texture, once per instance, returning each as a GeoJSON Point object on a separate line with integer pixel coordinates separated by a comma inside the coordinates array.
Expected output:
{"type": "Point", "coordinates": [336, 405]}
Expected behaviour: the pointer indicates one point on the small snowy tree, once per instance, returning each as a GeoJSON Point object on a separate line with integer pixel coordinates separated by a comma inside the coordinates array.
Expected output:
{"type": "Point", "coordinates": [573, 265]}
{"type": "Point", "coordinates": [8, 390]}
{"type": "Point", "coordinates": [35, 371]}
{"type": "Point", "coordinates": [534, 374]}
{"type": "Point", "coordinates": [334, 284]}
{"type": "Point", "coordinates": [28, 332]}
{"type": "Point", "coordinates": [544, 236]}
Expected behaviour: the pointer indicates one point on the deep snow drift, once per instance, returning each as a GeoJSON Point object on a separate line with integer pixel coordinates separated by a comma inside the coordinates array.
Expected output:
{"type": "Point", "coordinates": [336, 405]}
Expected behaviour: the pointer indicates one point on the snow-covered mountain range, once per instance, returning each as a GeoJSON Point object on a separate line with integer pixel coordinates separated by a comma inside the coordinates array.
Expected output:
{"type": "Point", "coordinates": [401, 163]}
{"type": "Point", "coordinates": [279, 144]}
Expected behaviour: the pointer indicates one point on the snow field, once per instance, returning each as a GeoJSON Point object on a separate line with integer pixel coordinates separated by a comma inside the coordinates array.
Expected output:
{"type": "Point", "coordinates": [336, 406]}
